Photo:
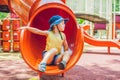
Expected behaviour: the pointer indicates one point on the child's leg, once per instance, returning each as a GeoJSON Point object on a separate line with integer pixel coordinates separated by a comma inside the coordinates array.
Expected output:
{"type": "Point", "coordinates": [47, 59]}
{"type": "Point", "coordinates": [63, 59]}
{"type": "Point", "coordinates": [66, 56]}
{"type": "Point", "coordinates": [49, 55]}
{"type": "Point", "coordinates": [59, 59]}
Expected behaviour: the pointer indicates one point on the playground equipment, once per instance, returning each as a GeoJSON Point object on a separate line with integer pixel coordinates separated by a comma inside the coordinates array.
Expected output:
{"type": "Point", "coordinates": [103, 43]}
{"type": "Point", "coordinates": [117, 25]}
{"type": "Point", "coordinates": [99, 22]}
{"type": "Point", "coordinates": [23, 10]}
{"type": "Point", "coordinates": [36, 13]}
{"type": "Point", "coordinates": [92, 18]}
{"type": "Point", "coordinates": [32, 45]}
{"type": "Point", "coordinates": [100, 27]}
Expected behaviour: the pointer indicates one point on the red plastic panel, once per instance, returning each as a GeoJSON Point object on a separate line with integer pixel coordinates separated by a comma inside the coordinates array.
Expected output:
{"type": "Point", "coordinates": [6, 25]}
{"type": "Point", "coordinates": [16, 35]}
{"type": "Point", "coordinates": [6, 35]}
{"type": "Point", "coordinates": [100, 26]}
{"type": "Point", "coordinates": [16, 46]}
{"type": "Point", "coordinates": [15, 24]}
{"type": "Point", "coordinates": [1, 42]}
{"type": "Point", "coordinates": [6, 46]}
{"type": "Point", "coordinates": [117, 18]}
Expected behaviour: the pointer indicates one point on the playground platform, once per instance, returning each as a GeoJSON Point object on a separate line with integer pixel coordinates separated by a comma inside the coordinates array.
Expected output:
{"type": "Point", "coordinates": [94, 64]}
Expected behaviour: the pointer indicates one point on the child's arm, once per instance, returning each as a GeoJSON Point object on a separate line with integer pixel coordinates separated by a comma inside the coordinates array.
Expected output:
{"type": "Point", "coordinates": [65, 44]}
{"type": "Point", "coordinates": [35, 30]}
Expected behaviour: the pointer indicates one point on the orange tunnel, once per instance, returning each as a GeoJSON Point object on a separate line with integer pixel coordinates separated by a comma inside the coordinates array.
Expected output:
{"type": "Point", "coordinates": [32, 45]}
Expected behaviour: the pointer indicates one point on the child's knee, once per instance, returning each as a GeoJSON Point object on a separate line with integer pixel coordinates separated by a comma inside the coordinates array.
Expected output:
{"type": "Point", "coordinates": [69, 53]}
{"type": "Point", "coordinates": [54, 50]}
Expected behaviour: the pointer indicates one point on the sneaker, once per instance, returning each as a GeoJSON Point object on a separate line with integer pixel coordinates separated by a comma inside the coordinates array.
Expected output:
{"type": "Point", "coordinates": [42, 67]}
{"type": "Point", "coordinates": [62, 65]}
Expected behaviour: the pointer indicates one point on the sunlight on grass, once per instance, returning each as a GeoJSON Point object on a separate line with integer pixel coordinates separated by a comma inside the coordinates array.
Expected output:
{"type": "Point", "coordinates": [33, 79]}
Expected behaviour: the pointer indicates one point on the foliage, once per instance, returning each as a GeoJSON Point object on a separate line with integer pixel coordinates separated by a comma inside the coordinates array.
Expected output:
{"type": "Point", "coordinates": [117, 6]}
{"type": "Point", "coordinates": [80, 21]}
{"type": "Point", "coordinates": [3, 15]}
{"type": "Point", "coordinates": [33, 79]}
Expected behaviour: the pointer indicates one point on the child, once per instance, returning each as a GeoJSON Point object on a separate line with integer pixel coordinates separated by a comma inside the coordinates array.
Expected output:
{"type": "Point", "coordinates": [55, 40]}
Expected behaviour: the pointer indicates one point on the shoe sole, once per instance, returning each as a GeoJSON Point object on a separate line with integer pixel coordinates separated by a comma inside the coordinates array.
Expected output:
{"type": "Point", "coordinates": [61, 66]}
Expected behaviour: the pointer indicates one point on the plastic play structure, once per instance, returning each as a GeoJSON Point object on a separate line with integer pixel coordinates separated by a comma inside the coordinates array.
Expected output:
{"type": "Point", "coordinates": [96, 42]}
{"type": "Point", "coordinates": [36, 14]}
{"type": "Point", "coordinates": [99, 23]}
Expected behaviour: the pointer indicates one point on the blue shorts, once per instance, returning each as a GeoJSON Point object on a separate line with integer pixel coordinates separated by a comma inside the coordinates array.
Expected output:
{"type": "Point", "coordinates": [54, 59]}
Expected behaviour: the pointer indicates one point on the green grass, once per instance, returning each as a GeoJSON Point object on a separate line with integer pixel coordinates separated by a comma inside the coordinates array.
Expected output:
{"type": "Point", "coordinates": [3, 15]}
{"type": "Point", "coordinates": [33, 79]}
{"type": "Point", "coordinates": [80, 21]}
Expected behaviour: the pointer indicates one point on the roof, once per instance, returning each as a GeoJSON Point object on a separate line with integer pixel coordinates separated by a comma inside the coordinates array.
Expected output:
{"type": "Point", "coordinates": [92, 18]}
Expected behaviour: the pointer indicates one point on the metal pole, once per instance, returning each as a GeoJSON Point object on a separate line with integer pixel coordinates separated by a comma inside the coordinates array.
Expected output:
{"type": "Point", "coordinates": [110, 19]}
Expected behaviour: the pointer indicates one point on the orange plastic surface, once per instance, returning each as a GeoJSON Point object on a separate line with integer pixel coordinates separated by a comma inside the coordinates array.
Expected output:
{"type": "Point", "coordinates": [6, 35]}
{"type": "Point", "coordinates": [32, 55]}
{"type": "Point", "coordinates": [64, 1]}
{"type": "Point", "coordinates": [21, 8]}
{"type": "Point", "coordinates": [16, 35]}
{"type": "Point", "coordinates": [6, 46]}
{"type": "Point", "coordinates": [37, 15]}
{"type": "Point", "coordinates": [6, 24]}
{"type": "Point", "coordinates": [118, 25]}
{"type": "Point", "coordinates": [86, 27]}
{"type": "Point", "coordinates": [91, 40]}
{"type": "Point", "coordinates": [16, 46]}
{"type": "Point", "coordinates": [105, 43]}
{"type": "Point", "coordinates": [15, 24]}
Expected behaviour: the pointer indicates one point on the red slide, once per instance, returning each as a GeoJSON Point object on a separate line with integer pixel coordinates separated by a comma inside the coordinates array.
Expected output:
{"type": "Point", "coordinates": [103, 43]}
{"type": "Point", "coordinates": [36, 13]}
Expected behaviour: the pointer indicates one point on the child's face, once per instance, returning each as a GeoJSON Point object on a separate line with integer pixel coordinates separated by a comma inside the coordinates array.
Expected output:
{"type": "Point", "coordinates": [61, 26]}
